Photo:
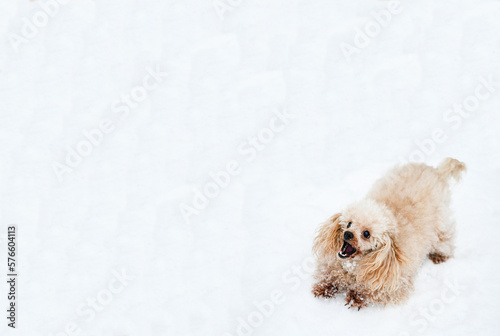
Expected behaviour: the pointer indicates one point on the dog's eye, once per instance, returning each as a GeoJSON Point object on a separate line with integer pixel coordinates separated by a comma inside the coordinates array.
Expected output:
{"type": "Point", "coordinates": [366, 234]}
{"type": "Point", "coordinates": [349, 224]}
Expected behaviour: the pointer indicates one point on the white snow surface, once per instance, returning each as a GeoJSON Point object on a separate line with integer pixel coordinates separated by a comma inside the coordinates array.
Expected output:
{"type": "Point", "coordinates": [120, 208]}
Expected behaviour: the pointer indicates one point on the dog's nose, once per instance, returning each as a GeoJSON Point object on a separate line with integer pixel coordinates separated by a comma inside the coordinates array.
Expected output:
{"type": "Point", "coordinates": [348, 235]}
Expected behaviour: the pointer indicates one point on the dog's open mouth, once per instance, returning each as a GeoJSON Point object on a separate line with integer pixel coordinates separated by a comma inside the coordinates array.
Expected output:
{"type": "Point", "coordinates": [347, 250]}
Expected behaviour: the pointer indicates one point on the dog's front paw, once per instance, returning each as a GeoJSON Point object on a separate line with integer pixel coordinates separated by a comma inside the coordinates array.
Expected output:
{"type": "Point", "coordinates": [355, 300]}
{"type": "Point", "coordinates": [325, 290]}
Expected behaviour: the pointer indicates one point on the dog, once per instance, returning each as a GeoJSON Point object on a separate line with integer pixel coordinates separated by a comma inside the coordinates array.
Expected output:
{"type": "Point", "coordinates": [374, 248]}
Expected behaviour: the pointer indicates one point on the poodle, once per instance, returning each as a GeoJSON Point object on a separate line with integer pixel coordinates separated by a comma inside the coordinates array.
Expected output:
{"type": "Point", "coordinates": [374, 248]}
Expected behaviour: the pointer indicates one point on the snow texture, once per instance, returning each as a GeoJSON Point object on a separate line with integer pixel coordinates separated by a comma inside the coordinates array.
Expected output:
{"type": "Point", "coordinates": [295, 107]}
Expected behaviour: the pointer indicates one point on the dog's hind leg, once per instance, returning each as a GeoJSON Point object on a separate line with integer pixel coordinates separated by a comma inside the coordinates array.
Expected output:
{"type": "Point", "coordinates": [443, 247]}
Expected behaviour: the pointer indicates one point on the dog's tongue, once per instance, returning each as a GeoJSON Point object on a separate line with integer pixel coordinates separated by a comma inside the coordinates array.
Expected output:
{"type": "Point", "coordinates": [349, 249]}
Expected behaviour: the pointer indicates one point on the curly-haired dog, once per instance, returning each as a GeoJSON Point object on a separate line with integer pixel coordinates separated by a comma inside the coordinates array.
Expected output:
{"type": "Point", "coordinates": [374, 248]}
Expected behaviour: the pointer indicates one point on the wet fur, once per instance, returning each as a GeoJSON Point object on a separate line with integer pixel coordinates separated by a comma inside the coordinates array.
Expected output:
{"type": "Point", "coordinates": [408, 213]}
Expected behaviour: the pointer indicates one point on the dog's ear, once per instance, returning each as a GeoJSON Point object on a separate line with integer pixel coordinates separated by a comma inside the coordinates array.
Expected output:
{"type": "Point", "coordinates": [328, 241]}
{"type": "Point", "coordinates": [383, 267]}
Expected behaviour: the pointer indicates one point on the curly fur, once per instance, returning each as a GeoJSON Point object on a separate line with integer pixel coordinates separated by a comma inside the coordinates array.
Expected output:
{"type": "Point", "coordinates": [407, 213]}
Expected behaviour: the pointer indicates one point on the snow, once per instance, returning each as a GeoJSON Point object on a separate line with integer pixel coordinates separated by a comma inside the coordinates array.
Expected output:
{"type": "Point", "coordinates": [262, 97]}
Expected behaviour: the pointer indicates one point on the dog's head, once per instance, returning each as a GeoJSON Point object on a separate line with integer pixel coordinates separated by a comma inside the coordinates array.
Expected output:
{"type": "Point", "coordinates": [365, 232]}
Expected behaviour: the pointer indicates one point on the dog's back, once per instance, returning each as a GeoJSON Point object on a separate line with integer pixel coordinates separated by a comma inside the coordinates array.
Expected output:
{"type": "Point", "coordinates": [415, 187]}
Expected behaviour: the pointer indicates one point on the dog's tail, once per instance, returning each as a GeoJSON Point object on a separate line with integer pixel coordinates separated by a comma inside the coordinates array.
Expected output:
{"type": "Point", "coordinates": [451, 168]}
